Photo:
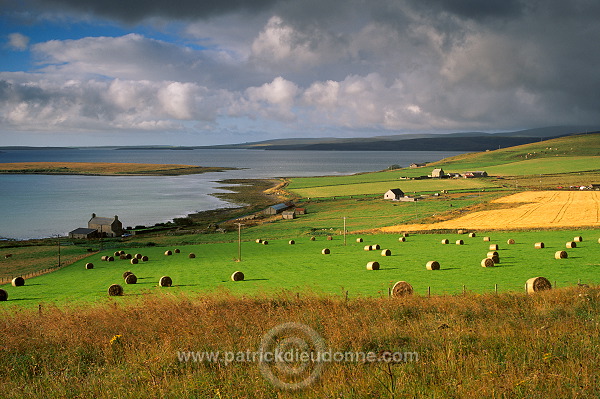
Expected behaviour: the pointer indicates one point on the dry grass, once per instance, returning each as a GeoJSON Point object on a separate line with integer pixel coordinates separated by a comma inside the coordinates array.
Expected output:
{"type": "Point", "coordinates": [507, 345]}
{"type": "Point", "coordinates": [102, 168]}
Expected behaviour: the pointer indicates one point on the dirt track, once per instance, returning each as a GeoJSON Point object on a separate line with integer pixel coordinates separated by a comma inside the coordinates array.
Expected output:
{"type": "Point", "coordinates": [532, 209]}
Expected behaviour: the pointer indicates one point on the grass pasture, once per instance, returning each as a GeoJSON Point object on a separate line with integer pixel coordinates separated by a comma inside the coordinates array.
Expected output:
{"type": "Point", "coordinates": [302, 268]}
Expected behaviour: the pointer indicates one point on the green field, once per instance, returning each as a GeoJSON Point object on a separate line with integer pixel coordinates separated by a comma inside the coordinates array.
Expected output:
{"type": "Point", "coordinates": [302, 268]}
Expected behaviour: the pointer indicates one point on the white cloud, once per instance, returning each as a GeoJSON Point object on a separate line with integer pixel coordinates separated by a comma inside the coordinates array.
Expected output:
{"type": "Point", "coordinates": [18, 41]}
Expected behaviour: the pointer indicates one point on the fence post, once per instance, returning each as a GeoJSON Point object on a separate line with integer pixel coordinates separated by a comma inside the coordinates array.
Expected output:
{"type": "Point", "coordinates": [496, 288]}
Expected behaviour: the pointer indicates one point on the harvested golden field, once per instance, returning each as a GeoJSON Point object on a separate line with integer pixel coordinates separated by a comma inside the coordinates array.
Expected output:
{"type": "Point", "coordinates": [526, 210]}
{"type": "Point", "coordinates": [102, 168]}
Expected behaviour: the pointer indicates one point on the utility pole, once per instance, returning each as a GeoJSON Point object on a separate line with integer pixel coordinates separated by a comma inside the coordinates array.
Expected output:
{"type": "Point", "coordinates": [239, 241]}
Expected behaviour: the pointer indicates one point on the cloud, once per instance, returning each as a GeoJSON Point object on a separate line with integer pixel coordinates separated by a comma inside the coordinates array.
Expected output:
{"type": "Point", "coordinates": [18, 41]}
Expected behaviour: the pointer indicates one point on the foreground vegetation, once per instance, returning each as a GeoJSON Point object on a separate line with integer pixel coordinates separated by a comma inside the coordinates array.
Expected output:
{"type": "Point", "coordinates": [505, 345]}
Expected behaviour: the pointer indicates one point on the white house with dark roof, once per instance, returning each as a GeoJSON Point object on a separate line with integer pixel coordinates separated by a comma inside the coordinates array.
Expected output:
{"type": "Point", "coordinates": [393, 194]}
{"type": "Point", "coordinates": [99, 227]}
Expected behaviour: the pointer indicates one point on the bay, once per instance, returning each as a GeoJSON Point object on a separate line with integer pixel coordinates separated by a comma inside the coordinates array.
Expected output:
{"type": "Point", "coordinates": [35, 206]}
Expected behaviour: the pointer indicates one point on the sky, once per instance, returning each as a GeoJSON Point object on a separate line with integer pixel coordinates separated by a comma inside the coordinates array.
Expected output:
{"type": "Point", "coordinates": [197, 72]}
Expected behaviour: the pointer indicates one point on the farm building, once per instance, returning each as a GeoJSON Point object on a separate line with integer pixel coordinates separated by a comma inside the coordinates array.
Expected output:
{"type": "Point", "coordinates": [393, 194]}
{"type": "Point", "coordinates": [301, 211]}
{"type": "Point", "coordinates": [99, 227]}
{"type": "Point", "coordinates": [417, 165]}
{"type": "Point", "coordinates": [288, 215]}
{"type": "Point", "coordinates": [437, 173]}
{"type": "Point", "coordinates": [275, 209]}
{"type": "Point", "coordinates": [478, 173]}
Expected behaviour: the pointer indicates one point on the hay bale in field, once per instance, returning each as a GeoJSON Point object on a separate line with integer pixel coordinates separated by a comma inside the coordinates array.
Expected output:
{"type": "Point", "coordinates": [472, 235]}
{"type": "Point", "coordinates": [265, 242]}
{"type": "Point", "coordinates": [510, 241]}
{"type": "Point", "coordinates": [536, 284]}
{"type": "Point", "coordinates": [134, 261]}
{"type": "Point", "coordinates": [486, 238]}
{"type": "Point", "coordinates": [121, 252]}
{"type": "Point", "coordinates": [165, 281]}
{"type": "Point", "coordinates": [578, 239]}
{"type": "Point", "coordinates": [571, 244]}
{"type": "Point", "coordinates": [115, 290]}
{"type": "Point", "coordinates": [312, 238]}
{"type": "Point", "coordinates": [405, 234]}
{"type": "Point", "coordinates": [110, 259]}
{"type": "Point", "coordinates": [131, 279]}
{"type": "Point", "coordinates": [487, 262]}
{"type": "Point", "coordinates": [492, 253]}
{"type": "Point", "coordinates": [259, 240]}
{"type": "Point", "coordinates": [495, 258]}
{"type": "Point", "coordinates": [375, 247]}
{"type": "Point", "coordinates": [3, 295]}
{"type": "Point", "coordinates": [461, 231]}
{"type": "Point", "coordinates": [367, 247]}
{"type": "Point", "coordinates": [359, 240]}
{"type": "Point", "coordinates": [117, 253]}
{"type": "Point", "coordinates": [122, 257]}
{"type": "Point", "coordinates": [127, 273]}
{"type": "Point", "coordinates": [104, 257]}
{"type": "Point", "coordinates": [560, 255]}
{"type": "Point", "coordinates": [138, 256]}
{"type": "Point", "coordinates": [460, 242]}
{"type": "Point", "coordinates": [401, 288]}
{"type": "Point", "coordinates": [386, 252]}
{"type": "Point", "coordinates": [89, 266]}
{"type": "Point", "coordinates": [329, 238]}
{"type": "Point", "coordinates": [128, 256]}
{"type": "Point", "coordinates": [402, 239]}
{"type": "Point", "coordinates": [325, 251]}
{"type": "Point", "coordinates": [373, 266]}
{"type": "Point", "coordinates": [18, 281]}
{"type": "Point", "coordinates": [539, 245]}
{"type": "Point", "coordinates": [145, 258]}
{"type": "Point", "coordinates": [177, 250]}
{"type": "Point", "coordinates": [493, 247]}
{"type": "Point", "coordinates": [445, 241]}
{"type": "Point", "coordinates": [237, 276]}
{"type": "Point", "coordinates": [192, 255]}
{"type": "Point", "coordinates": [291, 242]}
{"type": "Point", "coordinates": [432, 265]}
{"type": "Point", "coordinates": [168, 252]}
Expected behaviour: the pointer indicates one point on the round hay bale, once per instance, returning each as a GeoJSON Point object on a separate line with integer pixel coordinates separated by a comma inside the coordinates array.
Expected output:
{"type": "Point", "coordinates": [329, 238]}
{"type": "Point", "coordinates": [192, 255]}
{"type": "Point", "coordinates": [432, 265]}
{"type": "Point", "coordinates": [110, 259]}
{"type": "Point", "coordinates": [571, 244]}
{"type": "Point", "coordinates": [578, 239]}
{"type": "Point", "coordinates": [460, 242]}
{"type": "Point", "coordinates": [134, 261]}
{"type": "Point", "coordinates": [359, 240]}
{"type": "Point", "coordinates": [445, 241]}
{"type": "Point", "coordinates": [104, 257]}
{"type": "Point", "coordinates": [536, 284]}
{"type": "Point", "coordinates": [373, 266]}
{"type": "Point", "coordinates": [492, 253]}
{"type": "Point", "coordinates": [168, 252]}
{"type": "Point", "coordinates": [493, 247]}
{"type": "Point", "coordinates": [122, 257]}
{"type": "Point", "coordinates": [145, 258]}
{"type": "Point", "coordinates": [495, 258]}
{"type": "Point", "coordinates": [237, 276]}
{"type": "Point", "coordinates": [325, 251]}
{"type": "Point", "coordinates": [115, 290]}
{"type": "Point", "coordinates": [89, 266]}
{"type": "Point", "coordinates": [367, 248]}
{"type": "Point", "coordinates": [265, 242]}
{"type": "Point", "coordinates": [405, 234]}
{"type": "Point", "coordinates": [312, 238]}
{"type": "Point", "coordinates": [402, 239]}
{"type": "Point", "coordinates": [138, 256]}
{"type": "Point", "coordinates": [472, 235]}
{"type": "Point", "coordinates": [487, 262]}
{"type": "Point", "coordinates": [598, 240]}
{"type": "Point", "coordinates": [177, 250]}
{"type": "Point", "coordinates": [117, 253]}
{"type": "Point", "coordinates": [165, 281]}
{"type": "Point", "coordinates": [127, 273]}
{"type": "Point", "coordinates": [539, 245]}
{"type": "Point", "coordinates": [401, 288]}
{"type": "Point", "coordinates": [560, 255]}
{"type": "Point", "coordinates": [375, 247]}
{"type": "Point", "coordinates": [128, 256]}
{"type": "Point", "coordinates": [259, 241]}
{"type": "Point", "coordinates": [291, 242]}
{"type": "Point", "coordinates": [486, 238]}
{"type": "Point", "coordinates": [18, 281]}
{"type": "Point", "coordinates": [510, 241]}
{"type": "Point", "coordinates": [3, 295]}
{"type": "Point", "coordinates": [386, 252]}
{"type": "Point", "coordinates": [121, 252]}
{"type": "Point", "coordinates": [130, 279]}
{"type": "Point", "coordinates": [461, 231]}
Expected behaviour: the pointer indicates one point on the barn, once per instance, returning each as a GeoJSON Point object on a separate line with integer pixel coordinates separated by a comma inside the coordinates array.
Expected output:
{"type": "Point", "coordinates": [393, 194]}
